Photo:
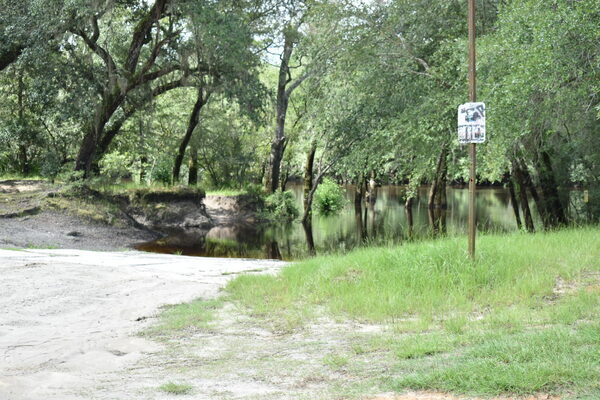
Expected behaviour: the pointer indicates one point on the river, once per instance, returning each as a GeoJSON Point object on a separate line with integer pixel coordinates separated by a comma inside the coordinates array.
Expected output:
{"type": "Point", "coordinates": [382, 223]}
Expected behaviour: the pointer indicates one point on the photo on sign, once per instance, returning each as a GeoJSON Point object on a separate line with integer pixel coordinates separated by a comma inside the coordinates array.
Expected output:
{"type": "Point", "coordinates": [471, 123]}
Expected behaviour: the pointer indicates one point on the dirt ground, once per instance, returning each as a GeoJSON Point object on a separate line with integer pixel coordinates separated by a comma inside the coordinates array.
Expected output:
{"type": "Point", "coordinates": [26, 221]}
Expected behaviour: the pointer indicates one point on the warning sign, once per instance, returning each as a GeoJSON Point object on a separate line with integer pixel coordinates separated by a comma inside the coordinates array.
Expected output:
{"type": "Point", "coordinates": [471, 123]}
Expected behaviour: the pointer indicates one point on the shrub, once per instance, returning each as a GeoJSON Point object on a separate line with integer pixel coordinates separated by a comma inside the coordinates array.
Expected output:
{"type": "Point", "coordinates": [116, 166]}
{"type": "Point", "coordinates": [281, 206]}
{"type": "Point", "coordinates": [51, 165]}
{"type": "Point", "coordinates": [329, 198]}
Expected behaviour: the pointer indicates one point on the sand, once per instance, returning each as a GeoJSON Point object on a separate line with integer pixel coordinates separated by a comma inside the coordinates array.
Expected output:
{"type": "Point", "coordinates": [69, 318]}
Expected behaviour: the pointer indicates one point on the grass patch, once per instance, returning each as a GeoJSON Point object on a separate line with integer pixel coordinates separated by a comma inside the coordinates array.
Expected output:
{"type": "Point", "coordinates": [520, 319]}
{"type": "Point", "coordinates": [496, 325]}
{"type": "Point", "coordinates": [336, 361]}
{"type": "Point", "coordinates": [428, 278]}
{"type": "Point", "coordinates": [226, 192]}
{"type": "Point", "coordinates": [545, 360]}
{"type": "Point", "coordinates": [176, 388]}
{"type": "Point", "coordinates": [181, 317]}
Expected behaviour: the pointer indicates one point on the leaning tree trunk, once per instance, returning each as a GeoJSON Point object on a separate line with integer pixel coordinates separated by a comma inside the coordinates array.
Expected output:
{"type": "Point", "coordinates": [104, 111]}
{"type": "Point", "coordinates": [437, 202]}
{"type": "Point", "coordinates": [192, 124]}
{"type": "Point", "coordinates": [285, 87]}
{"type": "Point", "coordinates": [278, 144]}
{"type": "Point", "coordinates": [308, 182]}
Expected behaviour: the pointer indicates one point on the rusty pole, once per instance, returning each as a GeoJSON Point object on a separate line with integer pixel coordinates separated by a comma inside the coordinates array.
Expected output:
{"type": "Point", "coordinates": [472, 146]}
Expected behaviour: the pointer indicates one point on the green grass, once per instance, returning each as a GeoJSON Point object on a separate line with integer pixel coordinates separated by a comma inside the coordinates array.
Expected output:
{"type": "Point", "coordinates": [20, 177]}
{"type": "Point", "coordinates": [428, 278]}
{"type": "Point", "coordinates": [176, 388]}
{"type": "Point", "coordinates": [491, 326]}
{"type": "Point", "coordinates": [226, 192]}
{"type": "Point", "coordinates": [522, 318]}
{"type": "Point", "coordinates": [195, 315]}
{"type": "Point", "coordinates": [538, 360]}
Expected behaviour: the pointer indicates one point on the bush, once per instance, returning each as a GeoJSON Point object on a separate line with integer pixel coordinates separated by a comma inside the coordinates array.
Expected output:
{"type": "Point", "coordinates": [329, 198]}
{"type": "Point", "coordinates": [116, 166]}
{"type": "Point", "coordinates": [51, 165]}
{"type": "Point", "coordinates": [281, 206]}
{"type": "Point", "coordinates": [162, 171]}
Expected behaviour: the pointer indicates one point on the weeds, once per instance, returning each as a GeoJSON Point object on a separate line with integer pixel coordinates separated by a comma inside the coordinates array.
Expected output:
{"type": "Point", "coordinates": [176, 388]}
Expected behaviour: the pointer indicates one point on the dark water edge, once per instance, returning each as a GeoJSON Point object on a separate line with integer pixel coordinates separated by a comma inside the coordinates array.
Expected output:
{"type": "Point", "coordinates": [382, 223]}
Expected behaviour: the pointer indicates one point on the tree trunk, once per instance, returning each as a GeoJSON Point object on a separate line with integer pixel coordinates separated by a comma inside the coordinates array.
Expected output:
{"type": "Point", "coordinates": [522, 193]}
{"type": "Point", "coordinates": [408, 204]}
{"type": "Point", "coordinates": [550, 199]}
{"type": "Point", "coordinates": [285, 87]}
{"type": "Point", "coordinates": [308, 182]}
{"type": "Point", "coordinates": [372, 188]}
{"type": "Point", "coordinates": [284, 179]}
{"type": "Point", "coordinates": [22, 151]}
{"type": "Point", "coordinates": [104, 111]}
{"type": "Point", "coordinates": [308, 233]}
{"type": "Point", "coordinates": [273, 252]}
{"type": "Point", "coordinates": [193, 175]}
{"type": "Point", "coordinates": [115, 93]}
{"type": "Point", "coordinates": [192, 124]}
{"type": "Point", "coordinates": [513, 201]}
{"type": "Point", "coordinates": [437, 202]}
{"type": "Point", "coordinates": [359, 194]}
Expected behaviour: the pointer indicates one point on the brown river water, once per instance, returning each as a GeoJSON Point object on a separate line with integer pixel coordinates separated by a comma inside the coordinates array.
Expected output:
{"type": "Point", "coordinates": [382, 223]}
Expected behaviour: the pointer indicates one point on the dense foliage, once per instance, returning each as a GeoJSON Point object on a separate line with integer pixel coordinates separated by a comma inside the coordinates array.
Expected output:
{"type": "Point", "coordinates": [227, 93]}
{"type": "Point", "coordinates": [329, 198]}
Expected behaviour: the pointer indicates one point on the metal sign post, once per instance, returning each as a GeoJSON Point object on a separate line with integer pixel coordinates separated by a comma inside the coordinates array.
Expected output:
{"type": "Point", "coordinates": [472, 146]}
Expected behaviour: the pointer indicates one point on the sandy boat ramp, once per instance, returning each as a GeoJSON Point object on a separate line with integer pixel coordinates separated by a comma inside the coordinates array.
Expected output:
{"type": "Point", "coordinates": [69, 318]}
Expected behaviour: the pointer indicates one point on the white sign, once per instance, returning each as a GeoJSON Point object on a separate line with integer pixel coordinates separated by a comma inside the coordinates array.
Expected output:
{"type": "Point", "coordinates": [471, 123]}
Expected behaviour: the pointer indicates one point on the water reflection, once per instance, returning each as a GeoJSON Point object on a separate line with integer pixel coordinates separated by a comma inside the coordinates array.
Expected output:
{"type": "Point", "coordinates": [387, 219]}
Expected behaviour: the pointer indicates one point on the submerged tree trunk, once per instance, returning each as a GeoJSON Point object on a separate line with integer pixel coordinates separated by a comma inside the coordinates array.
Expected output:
{"type": "Point", "coordinates": [553, 210]}
{"type": "Point", "coordinates": [359, 195]}
{"type": "Point", "coordinates": [513, 201]}
{"type": "Point", "coordinates": [308, 182]}
{"type": "Point", "coordinates": [437, 202]}
{"type": "Point", "coordinates": [308, 233]}
{"type": "Point", "coordinates": [192, 124]}
{"type": "Point", "coordinates": [521, 189]}
{"type": "Point", "coordinates": [408, 204]}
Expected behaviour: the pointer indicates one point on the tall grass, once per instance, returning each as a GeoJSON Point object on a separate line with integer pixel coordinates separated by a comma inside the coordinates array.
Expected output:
{"type": "Point", "coordinates": [427, 278]}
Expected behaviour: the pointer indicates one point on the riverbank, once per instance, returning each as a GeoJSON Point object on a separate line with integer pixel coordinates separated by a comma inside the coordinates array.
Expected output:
{"type": "Point", "coordinates": [522, 320]}
{"type": "Point", "coordinates": [38, 214]}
